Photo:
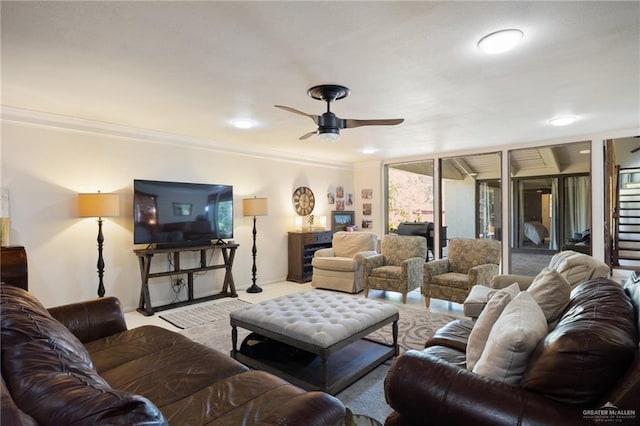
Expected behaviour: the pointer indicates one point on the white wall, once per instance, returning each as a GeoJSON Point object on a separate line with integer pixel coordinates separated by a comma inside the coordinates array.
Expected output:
{"type": "Point", "coordinates": [44, 168]}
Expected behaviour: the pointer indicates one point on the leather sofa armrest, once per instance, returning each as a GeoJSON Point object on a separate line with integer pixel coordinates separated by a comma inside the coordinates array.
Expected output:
{"type": "Point", "coordinates": [309, 409]}
{"type": "Point", "coordinates": [93, 319]}
{"type": "Point", "coordinates": [454, 335]}
{"type": "Point", "coordinates": [504, 281]}
{"type": "Point", "coordinates": [419, 384]}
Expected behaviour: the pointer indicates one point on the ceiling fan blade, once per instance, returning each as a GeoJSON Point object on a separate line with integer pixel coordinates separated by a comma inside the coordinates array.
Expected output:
{"type": "Point", "coordinates": [307, 135]}
{"type": "Point", "coordinates": [349, 123]}
{"type": "Point", "coordinates": [295, 111]}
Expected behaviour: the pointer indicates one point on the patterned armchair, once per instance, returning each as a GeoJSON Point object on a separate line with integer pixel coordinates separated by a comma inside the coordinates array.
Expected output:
{"type": "Point", "coordinates": [399, 266]}
{"type": "Point", "coordinates": [469, 262]}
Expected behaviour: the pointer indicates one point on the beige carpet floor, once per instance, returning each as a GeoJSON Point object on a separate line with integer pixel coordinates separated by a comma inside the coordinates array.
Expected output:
{"type": "Point", "coordinates": [366, 396]}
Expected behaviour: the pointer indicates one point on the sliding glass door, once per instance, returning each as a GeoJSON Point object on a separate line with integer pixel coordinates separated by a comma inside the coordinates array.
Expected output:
{"type": "Point", "coordinates": [550, 204]}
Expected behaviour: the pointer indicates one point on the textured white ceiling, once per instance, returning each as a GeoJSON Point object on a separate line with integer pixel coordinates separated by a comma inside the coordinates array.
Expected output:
{"type": "Point", "coordinates": [189, 68]}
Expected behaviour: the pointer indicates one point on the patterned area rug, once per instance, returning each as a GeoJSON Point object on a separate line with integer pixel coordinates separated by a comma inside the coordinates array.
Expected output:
{"type": "Point", "coordinates": [366, 396]}
{"type": "Point", "coordinates": [204, 314]}
{"type": "Point", "coordinates": [415, 327]}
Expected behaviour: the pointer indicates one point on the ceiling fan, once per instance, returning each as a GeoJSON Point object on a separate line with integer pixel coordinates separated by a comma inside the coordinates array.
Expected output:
{"type": "Point", "coordinates": [329, 124]}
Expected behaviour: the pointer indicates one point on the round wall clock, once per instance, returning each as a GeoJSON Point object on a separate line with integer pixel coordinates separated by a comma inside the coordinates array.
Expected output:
{"type": "Point", "coordinates": [303, 201]}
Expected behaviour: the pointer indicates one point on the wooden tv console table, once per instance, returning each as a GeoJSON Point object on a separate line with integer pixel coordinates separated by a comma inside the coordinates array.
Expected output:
{"type": "Point", "coordinates": [146, 255]}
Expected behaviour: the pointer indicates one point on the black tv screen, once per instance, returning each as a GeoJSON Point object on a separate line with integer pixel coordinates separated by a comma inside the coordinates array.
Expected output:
{"type": "Point", "coordinates": [180, 213]}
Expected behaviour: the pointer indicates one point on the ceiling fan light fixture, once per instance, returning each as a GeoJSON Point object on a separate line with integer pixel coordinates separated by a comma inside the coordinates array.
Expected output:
{"type": "Point", "coordinates": [331, 135]}
{"type": "Point", "coordinates": [329, 124]}
{"type": "Point", "coordinates": [500, 41]}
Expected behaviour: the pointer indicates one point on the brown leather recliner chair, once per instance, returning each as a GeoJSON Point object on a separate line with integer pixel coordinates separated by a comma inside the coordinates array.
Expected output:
{"type": "Point", "coordinates": [588, 361]}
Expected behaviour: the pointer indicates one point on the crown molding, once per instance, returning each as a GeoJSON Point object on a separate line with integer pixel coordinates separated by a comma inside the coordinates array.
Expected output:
{"type": "Point", "coordinates": [27, 117]}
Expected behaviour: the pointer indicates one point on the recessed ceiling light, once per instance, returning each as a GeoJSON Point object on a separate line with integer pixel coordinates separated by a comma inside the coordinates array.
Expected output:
{"type": "Point", "coordinates": [500, 41]}
{"type": "Point", "coordinates": [369, 151]}
{"type": "Point", "coordinates": [565, 120]}
{"type": "Point", "coordinates": [243, 123]}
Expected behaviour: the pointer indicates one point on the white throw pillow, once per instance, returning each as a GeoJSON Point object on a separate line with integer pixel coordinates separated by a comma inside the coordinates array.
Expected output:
{"type": "Point", "coordinates": [487, 318]}
{"type": "Point", "coordinates": [552, 292]}
{"type": "Point", "coordinates": [512, 340]}
{"type": "Point", "coordinates": [513, 290]}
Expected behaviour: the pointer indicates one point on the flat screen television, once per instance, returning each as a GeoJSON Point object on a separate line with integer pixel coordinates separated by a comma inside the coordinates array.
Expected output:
{"type": "Point", "coordinates": [170, 214]}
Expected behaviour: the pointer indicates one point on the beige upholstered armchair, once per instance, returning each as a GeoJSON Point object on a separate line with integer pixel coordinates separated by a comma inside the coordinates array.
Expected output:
{"type": "Point", "coordinates": [469, 262]}
{"type": "Point", "coordinates": [399, 266]}
{"type": "Point", "coordinates": [340, 267]}
{"type": "Point", "coordinates": [573, 266]}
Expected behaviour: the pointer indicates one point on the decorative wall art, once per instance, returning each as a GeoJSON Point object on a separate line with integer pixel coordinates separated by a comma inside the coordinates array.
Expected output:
{"type": "Point", "coordinates": [340, 220]}
{"type": "Point", "coordinates": [367, 208]}
{"type": "Point", "coordinates": [348, 200]}
{"type": "Point", "coordinates": [331, 197]}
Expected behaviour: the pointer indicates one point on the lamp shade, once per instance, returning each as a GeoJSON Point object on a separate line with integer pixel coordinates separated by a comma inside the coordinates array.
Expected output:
{"type": "Point", "coordinates": [98, 205]}
{"type": "Point", "coordinates": [254, 206]}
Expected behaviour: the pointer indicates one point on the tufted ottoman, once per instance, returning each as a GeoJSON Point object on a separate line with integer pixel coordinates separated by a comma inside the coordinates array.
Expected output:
{"type": "Point", "coordinates": [323, 335]}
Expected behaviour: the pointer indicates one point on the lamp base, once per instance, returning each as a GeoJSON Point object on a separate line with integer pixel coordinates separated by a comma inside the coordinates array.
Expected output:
{"type": "Point", "coordinates": [254, 289]}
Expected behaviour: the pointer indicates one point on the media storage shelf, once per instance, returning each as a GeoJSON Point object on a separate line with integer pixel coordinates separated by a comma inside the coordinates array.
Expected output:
{"type": "Point", "coordinates": [146, 255]}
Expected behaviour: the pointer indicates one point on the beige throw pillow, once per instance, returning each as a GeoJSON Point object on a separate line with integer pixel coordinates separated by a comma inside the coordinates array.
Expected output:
{"type": "Point", "coordinates": [552, 292]}
{"type": "Point", "coordinates": [512, 289]}
{"type": "Point", "coordinates": [512, 340]}
{"type": "Point", "coordinates": [487, 318]}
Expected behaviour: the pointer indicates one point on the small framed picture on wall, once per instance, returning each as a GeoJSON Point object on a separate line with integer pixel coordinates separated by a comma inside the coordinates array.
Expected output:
{"type": "Point", "coordinates": [331, 197]}
{"type": "Point", "coordinates": [341, 219]}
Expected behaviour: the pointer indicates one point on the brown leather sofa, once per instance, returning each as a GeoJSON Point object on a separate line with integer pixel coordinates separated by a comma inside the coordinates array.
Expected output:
{"type": "Point", "coordinates": [588, 361]}
{"type": "Point", "coordinates": [78, 364]}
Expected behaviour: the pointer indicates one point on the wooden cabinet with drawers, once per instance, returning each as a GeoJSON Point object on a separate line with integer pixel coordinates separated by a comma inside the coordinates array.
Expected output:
{"type": "Point", "coordinates": [302, 246]}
